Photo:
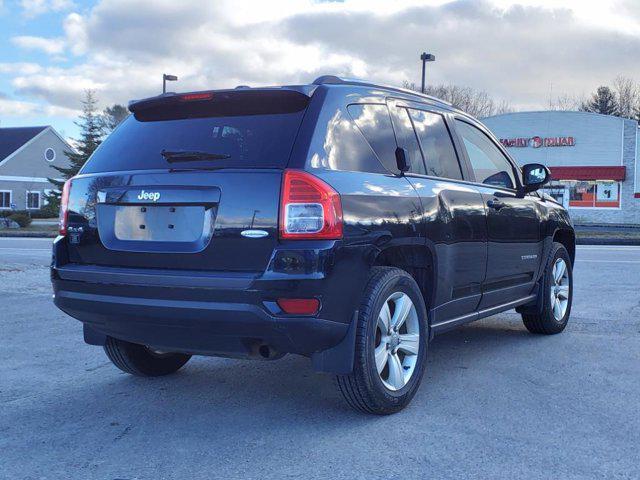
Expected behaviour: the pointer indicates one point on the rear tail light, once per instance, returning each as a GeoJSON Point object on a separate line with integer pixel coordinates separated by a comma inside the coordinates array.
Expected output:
{"type": "Point", "coordinates": [309, 208]}
{"type": "Point", "coordinates": [64, 208]}
{"type": "Point", "coordinates": [299, 306]}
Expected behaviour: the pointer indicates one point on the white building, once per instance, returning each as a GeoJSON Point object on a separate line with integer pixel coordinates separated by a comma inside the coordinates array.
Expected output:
{"type": "Point", "coordinates": [594, 160]}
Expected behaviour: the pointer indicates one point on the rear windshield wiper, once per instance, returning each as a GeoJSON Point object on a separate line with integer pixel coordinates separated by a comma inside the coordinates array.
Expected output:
{"type": "Point", "coordinates": [191, 155]}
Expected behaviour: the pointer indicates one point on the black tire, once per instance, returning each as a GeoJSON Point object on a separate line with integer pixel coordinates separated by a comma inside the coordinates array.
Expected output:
{"type": "Point", "coordinates": [140, 361]}
{"type": "Point", "coordinates": [545, 322]}
{"type": "Point", "coordinates": [364, 389]}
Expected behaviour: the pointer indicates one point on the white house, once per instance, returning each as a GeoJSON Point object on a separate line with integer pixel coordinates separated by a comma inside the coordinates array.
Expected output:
{"type": "Point", "coordinates": [26, 157]}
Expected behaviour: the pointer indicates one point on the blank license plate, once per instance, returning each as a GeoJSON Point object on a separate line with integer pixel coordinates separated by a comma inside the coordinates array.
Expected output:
{"type": "Point", "coordinates": [159, 224]}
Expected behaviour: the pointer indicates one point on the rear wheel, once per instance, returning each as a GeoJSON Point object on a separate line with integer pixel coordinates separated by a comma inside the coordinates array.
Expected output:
{"type": "Point", "coordinates": [391, 344]}
{"type": "Point", "coordinates": [143, 361]}
{"type": "Point", "coordinates": [557, 293]}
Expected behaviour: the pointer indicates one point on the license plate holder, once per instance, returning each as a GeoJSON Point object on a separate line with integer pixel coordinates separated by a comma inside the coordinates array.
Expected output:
{"type": "Point", "coordinates": [158, 223]}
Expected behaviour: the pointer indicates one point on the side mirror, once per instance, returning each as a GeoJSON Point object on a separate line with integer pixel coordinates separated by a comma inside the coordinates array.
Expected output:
{"type": "Point", "coordinates": [534, 176]}
{"type": "Point", "coordinates": [401, 160]}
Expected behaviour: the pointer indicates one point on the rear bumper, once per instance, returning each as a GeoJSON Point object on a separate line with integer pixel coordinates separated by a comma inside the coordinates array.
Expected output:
{"type": "Point", "coordinates": [213, 313]}
{"type": "Point", "coordinates": [195, 326]}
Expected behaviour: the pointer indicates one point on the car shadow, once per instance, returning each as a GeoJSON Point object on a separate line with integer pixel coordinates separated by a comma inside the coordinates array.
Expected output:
{"type": "Point", "coordinates": [244, 394]}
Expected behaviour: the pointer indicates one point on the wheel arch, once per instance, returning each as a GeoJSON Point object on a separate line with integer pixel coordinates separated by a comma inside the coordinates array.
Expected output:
{"type": "Point", "coordinates": [567, 238]}
{"type": "Point", "coordinates": [417, 260]}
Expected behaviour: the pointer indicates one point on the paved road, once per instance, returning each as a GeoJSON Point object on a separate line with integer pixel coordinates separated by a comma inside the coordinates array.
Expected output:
{"type": "Point", "coordinates": [496, 402]}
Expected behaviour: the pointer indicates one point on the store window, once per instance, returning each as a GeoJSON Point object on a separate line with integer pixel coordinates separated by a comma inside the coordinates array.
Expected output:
{"type": "Point", "coordinates": [594, 193]}
{"type": "Point", "coordinates": [558, 192]}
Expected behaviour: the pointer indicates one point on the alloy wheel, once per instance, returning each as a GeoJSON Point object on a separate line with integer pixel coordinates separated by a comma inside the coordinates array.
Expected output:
{"type": "Point", "coordinates": [397, 341]}
{"type": "Point", "coordinates": [559, 289]}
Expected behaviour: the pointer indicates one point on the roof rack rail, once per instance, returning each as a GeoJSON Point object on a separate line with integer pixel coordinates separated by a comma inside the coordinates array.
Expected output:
{"type": "Point", "coordinates": [336, 80]}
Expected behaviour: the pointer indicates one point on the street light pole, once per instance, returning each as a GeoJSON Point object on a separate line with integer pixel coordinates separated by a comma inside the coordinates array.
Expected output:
{"type": "Point", "coordinates": [167, 78]}
{"type": "Point", "coordinates": [425, 57]}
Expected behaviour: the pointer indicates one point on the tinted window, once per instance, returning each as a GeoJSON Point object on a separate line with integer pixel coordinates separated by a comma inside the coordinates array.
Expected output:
{"type": "Point", "coordinates": [338, 144]}
{"type": "Point", "coordinates": [439, 154]}
{"type": "Point", "coordinates": [407, 139]}
{"type": "Point", "coordinates": [249, 137]}
{"type": "Point", "coordinates": [375, 124]}
{"type": "Point", "coordinates": [489, 164]}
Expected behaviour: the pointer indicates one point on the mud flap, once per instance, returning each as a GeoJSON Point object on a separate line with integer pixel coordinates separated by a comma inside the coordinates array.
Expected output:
{"type": "Point", "coordinates": [338, 359]}
{"type": "Point", "coordinates": [535, 307]}
{"type": "Point", "coordinates": [92, 336]}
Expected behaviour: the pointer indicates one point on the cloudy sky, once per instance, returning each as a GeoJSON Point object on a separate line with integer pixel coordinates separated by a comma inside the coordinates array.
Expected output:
{"type": "Point", "coordinates": [518, 51]}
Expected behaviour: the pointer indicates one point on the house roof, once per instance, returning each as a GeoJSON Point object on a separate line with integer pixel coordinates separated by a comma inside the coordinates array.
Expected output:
{"type": "Point", "coordinates": [11, 139]}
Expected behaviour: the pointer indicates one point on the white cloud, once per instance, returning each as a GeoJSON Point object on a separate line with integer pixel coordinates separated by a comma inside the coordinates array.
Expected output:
{"type": "Point", "coordinates": [22, 68]}
{"type": "Point", "coordinates": [76, 33]}
{"type": "Point", "coordinates": [52, 46]}
{"type": "Point", "coordinates": [122, 47]}
{"type": "Point", "coordinates": [33, 8]}
{"type": "Point", "coordinates": [18, 108]}
{"type": "Point", "coordinates": [63, 88]}
{"type": "Point", "coordinates": [15, 108]}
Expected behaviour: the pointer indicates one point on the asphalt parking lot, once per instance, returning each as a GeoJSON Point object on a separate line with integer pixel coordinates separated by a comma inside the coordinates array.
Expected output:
{"type": "Point", "coordinates": [496, 401]}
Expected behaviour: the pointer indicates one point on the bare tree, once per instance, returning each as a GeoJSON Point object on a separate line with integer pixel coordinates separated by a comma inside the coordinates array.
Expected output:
{"type": "Point", "coordinates": [475, 102]}
{"type": "Point", "coordinates": [504, 107]}
{"type": "Point", "coordinates": [567, 103]}
{"type": "Point", "coordinates": [628, 96]}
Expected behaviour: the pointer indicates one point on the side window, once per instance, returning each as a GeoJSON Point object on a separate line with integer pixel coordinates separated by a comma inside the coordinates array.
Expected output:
{"type": "Point", "coordinates": [489, 164]}
{"type": "Point", "coordinates": [407, 139]}
{"type": "Point", "coordinates": [375, 124]}
{"type": "Point", "coordinates": [437, 147]}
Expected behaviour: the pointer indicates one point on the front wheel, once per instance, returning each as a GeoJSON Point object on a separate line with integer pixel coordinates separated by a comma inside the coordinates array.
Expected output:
{"type": "Point", "coordinates": [391, 344]}
{"type": "Point", "coordinates": [142, 361]}
{"type": "Point", "coordinates": [557, 293]}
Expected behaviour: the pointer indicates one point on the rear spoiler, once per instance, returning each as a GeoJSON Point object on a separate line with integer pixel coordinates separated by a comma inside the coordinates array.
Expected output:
{"type": "Point", "coordinates": [241, 92]}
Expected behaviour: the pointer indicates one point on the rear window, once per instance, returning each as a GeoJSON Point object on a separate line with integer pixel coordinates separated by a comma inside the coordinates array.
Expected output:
{"type": "Point", "coordinates": [246, 128]}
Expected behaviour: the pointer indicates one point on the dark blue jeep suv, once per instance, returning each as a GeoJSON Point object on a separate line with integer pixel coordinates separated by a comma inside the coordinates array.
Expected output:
{"type": "Point", "coordinates": [342, 220]}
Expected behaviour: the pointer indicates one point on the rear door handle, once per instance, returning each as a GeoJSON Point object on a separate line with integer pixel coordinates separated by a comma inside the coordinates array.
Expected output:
{"type": "Point", "coordinates": [495, 204]}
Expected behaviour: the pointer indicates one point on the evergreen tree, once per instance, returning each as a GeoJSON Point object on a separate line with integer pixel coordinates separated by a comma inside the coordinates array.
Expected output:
{"type": "Point", "coordinates": [602, 101]}
{"type": "Point", "coordinates": [91, 133]}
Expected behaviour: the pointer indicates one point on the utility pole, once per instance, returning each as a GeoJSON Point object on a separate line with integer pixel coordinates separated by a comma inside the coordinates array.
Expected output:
{"type": "Point", "coordinates": [167, 78]}
{"type": "Point", "coordinates": [425, 57]}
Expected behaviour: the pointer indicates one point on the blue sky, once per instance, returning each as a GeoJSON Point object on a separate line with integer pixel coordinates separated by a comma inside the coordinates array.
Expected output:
{"type": "Point", "coordinates": [16, 21]}
{"type": "Point", "coordinates": [524, 52]}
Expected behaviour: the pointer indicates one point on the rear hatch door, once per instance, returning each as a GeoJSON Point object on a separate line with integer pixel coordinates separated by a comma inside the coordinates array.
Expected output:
{"type": "Point", "coordinates": [187, 183]}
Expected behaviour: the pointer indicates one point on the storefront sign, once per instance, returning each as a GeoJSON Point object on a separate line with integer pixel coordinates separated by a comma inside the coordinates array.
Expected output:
{"type": "Point", "coordinates": [607, 191]}
{"type": "Point", "coordinates": [537, 142]}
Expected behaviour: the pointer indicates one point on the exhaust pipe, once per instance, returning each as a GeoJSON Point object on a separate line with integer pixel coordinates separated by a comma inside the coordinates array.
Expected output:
{"type": "Point", "coordinates": [268, 353]}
